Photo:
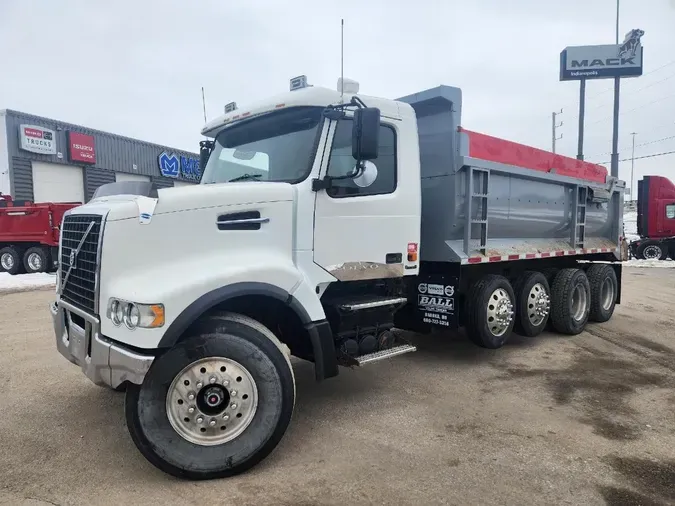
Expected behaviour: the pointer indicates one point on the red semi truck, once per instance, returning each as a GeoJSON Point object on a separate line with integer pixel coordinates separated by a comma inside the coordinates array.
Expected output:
{"type": "Point", "coordinates": [655, 219]}
{"type": "Point", "coordinates": [29, 234]}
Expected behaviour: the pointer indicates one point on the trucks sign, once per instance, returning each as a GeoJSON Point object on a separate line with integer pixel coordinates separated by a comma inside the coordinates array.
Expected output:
{"type": "Point", "coordinates": [603, 61]}
{"type": "Point", "coordinates": [37, 139]}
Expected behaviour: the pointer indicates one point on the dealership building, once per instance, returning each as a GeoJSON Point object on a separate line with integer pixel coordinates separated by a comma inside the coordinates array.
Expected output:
{"type": "Point", "coordinates": [44, 160]}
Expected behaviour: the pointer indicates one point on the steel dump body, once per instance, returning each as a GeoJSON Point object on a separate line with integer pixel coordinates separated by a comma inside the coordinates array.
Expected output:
{"type": "Point", "coordinates": [479, 206]}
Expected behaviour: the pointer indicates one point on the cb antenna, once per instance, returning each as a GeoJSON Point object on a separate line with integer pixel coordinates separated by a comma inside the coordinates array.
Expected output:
{"type": "Point", "coordinates": [204, 104]}
{"type": "Point", "coordinates": [342, 59]}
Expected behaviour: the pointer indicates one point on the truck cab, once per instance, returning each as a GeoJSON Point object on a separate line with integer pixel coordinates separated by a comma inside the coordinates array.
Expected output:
{"type": "Point", "coordinates": [655, 219]}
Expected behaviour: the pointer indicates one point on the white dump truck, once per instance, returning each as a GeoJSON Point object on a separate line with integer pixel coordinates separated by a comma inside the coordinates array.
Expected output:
{"type": "Point", "coordinates": [325, 221]}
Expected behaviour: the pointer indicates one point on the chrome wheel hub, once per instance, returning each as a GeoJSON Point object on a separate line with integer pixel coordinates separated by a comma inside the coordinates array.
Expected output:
{"type": "Point", "coordinates": [538, 304]}
{"type": "Point", "coordinates": [499, 312]}
{"type": "Point", "coordinates": [34, 261]}
{"type": "Point", "coordinates": [652, 252]}
{"type": "Point", "coordinates": [212, 401]}
{"type": "Point", "coordinates": [607, 294]}
{"type": "Point", "coordinates": [7, 261]}
{"type": "Point", "coordinates": [579, 303]}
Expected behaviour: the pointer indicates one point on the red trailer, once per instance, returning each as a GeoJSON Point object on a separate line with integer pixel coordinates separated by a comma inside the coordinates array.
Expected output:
{"type": "Point", "coordinates": [29, 234]}
{"type": "Point", "coordinates": [655, 219]}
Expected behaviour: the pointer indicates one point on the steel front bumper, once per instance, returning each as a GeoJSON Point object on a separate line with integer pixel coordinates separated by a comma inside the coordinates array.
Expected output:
{"type": "Point", "coordinates": [78, 338]}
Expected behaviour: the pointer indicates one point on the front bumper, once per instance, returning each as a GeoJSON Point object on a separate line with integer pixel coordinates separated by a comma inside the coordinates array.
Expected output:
{"type": "Point", "coordinates": [78, 338]}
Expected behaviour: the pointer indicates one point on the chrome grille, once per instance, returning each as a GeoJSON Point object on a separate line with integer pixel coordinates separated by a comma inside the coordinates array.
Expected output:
{"type": "Point", "coordinates": [79, 267]}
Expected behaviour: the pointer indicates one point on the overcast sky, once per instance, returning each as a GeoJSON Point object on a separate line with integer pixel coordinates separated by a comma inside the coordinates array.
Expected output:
{"type": "Point", "coordinates": [136, 67]}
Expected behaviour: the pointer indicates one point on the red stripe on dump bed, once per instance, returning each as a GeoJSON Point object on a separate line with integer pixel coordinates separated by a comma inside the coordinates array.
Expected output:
{"type": "Point", "coordinates": [499, 150]}
{"type": "Point", "coordinates": [475, 260]}
{"type": "Point", "coordinates": [530, 255]}
{"type": "Point", "coordinates": [514, 257]}
{"type": "Point", "coordinates": [559, 253]}
{"type": "Point", "coordinates": [524, 256]}
{"type": "Point", "coordinates": [545, 254]}
{"type": "Point", "coordinates": [495, 259]}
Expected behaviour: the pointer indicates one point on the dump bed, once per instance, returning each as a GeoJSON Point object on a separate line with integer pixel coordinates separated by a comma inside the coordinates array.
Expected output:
{"type": "Point", "coordinates": [22, 221]}
{"type": "Point", "coordinates": [487, 199]}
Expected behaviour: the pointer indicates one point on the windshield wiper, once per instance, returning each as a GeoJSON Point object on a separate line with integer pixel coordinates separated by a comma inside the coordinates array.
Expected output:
{"type": "Point", "coordinates": [243, 177]}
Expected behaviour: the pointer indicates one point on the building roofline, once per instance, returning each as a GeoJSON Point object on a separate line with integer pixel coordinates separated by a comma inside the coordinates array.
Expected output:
{"type": "Point", "coordinates": [92, 130]}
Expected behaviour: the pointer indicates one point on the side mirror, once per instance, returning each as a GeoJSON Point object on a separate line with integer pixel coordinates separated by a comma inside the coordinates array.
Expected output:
{"type": "Point", "coordinates": [205, 148]}
{"type": "Point", "coordinates": [366, 133]}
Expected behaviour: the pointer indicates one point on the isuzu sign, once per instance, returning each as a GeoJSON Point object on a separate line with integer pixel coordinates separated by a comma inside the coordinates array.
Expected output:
{"type": "Point", "coordinates": [37, 139]}
{"type": "Point", "coordinates": [604, 61]}
{"type": "Point", "coordinates": [81, 148]}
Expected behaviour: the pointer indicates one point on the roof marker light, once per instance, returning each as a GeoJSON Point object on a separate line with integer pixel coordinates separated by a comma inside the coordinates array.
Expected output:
{"type": "Point", "coordinates": [298, 83]}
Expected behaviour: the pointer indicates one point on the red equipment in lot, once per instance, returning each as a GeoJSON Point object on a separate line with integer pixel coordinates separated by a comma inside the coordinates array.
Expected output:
{"type": "Point", "coordinates": [29, 234]}
{"type": "Point", "coordinates": [655, 219]}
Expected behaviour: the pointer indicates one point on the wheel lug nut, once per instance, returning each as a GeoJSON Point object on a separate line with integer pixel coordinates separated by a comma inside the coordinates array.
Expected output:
{"type": "Point", "coordinates": [233, 393]}
{"type": "Point", "coordinates": [233, 405]}
{"type": "Point", "coordinates": [199, 384]}
{"type": "Point", "coordinates": [191, 396]}
{"type": "Point", "coordinates": [191, 409]}
{"type": "Point", "coordinates": [212, 423]}
{"type": "Point", "coordinates": [200, 419]}
{"type": "Point", "coordinates": [212, 379]}
{"type": "Point", "coordinates": [226, 383]}
{"type": "Point", "coordinates": [226, 417]}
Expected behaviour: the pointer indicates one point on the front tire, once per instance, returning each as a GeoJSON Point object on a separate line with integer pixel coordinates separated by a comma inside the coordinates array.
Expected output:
{"type": "Point", "coordinates": [570, 301]}
{"type": "Point", "coordinates": [489, 310]}
{"type": "Point", "coordinates": [652, 250]}
{"type": "Point", "coordinates": [216, 403]}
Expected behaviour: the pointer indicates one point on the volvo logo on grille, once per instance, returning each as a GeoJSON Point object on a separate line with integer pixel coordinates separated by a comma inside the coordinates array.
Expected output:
{"type": "Point", "coordinates": [72, 258]}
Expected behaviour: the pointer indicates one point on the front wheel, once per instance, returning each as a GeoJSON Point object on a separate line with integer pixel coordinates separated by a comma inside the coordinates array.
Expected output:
{"type": "Point", "coordinates": [652, 250]}
{"type": "Point", "coordinates": [216, 404]}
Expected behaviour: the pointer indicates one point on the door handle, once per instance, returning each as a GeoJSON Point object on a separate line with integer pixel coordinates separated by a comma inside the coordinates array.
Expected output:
{"type": "Point", "coordinates": [243, 221]}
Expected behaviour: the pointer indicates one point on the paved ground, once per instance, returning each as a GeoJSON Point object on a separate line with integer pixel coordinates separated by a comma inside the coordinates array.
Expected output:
{"type": "Point", "coordinates": [555, 420]}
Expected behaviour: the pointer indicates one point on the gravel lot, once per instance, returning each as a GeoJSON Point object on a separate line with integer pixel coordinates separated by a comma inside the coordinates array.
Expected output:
{"type": "Point", "coordinates": [554, 420]}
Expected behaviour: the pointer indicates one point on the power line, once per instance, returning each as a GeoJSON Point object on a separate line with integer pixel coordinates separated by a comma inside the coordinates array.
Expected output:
{"type": "Point", "coordinates": [654, 155]}
{"type": "Point", "coordinates": [656, 141]}
{"type": "Point", "coordinates": [633, 109]}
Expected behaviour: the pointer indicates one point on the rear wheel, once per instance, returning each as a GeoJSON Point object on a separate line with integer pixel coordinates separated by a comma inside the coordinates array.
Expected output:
{"type": "Point", "coordinates": [570, 301]}
{"type": "Point", "coordinates": [533, 303]}
{"type": "Point", "coordinates": [604, 288]}
{"type": "Point", "coordinates": [489, 311]}
{"type": "Point", "coordinates": [36, 259]}
{"type": "Point", "coordinates": [10, 260]}
{"type": "Point", "coordinates": [215, 404]}
{"type": "Point", "coordinates": [652, 250]}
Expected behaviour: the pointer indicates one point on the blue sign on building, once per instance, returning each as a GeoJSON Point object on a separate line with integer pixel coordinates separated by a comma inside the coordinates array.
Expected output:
{"type": "Point", "coordinates": [189, 167]}
{"type": "Point", "coordinates": [171, 165]}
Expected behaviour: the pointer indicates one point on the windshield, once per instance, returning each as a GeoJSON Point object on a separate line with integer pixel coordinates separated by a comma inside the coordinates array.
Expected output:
{"type": "Point", "coordinates": [276, 147]}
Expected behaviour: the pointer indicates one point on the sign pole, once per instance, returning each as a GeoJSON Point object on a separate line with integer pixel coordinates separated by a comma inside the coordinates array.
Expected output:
{"type": "Point", "coordinates": [582, 112]}
{"type": "Point", "coordinates": [614, 170]}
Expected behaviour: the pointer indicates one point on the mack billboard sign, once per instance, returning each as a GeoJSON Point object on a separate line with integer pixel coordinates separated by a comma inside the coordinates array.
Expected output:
{"type": "Point", "coordinates": [605, 61]}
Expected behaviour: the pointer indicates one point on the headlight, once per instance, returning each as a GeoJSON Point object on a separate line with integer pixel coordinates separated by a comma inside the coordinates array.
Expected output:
{"type": "Point", "coordinates": [133, 314]}
{"type": "Point", "coordinates": [115, 312]}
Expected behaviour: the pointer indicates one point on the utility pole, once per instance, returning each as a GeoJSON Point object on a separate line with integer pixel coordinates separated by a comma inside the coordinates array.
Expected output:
{"type": "Point", "coordinates": [632, 166]}
{"type": "Point", "coordinates": [554, 128]}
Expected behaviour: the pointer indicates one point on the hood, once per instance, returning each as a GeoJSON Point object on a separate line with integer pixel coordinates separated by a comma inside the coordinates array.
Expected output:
{"type": "Point", "coordinates": [185, 198]}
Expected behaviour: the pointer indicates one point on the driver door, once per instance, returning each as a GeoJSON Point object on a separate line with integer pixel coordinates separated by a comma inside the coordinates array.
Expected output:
{"type": "Point", "coordinates": [360, 227]}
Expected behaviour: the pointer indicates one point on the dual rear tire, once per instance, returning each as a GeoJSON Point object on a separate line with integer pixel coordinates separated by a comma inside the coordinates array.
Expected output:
{"type": "Point", "coordinates": [14, 260]}
{"type": "Point", "coordinates": [567, 299]}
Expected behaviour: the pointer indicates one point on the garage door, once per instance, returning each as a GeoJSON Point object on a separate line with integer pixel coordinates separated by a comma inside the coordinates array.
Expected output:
{"type": "Point", "coordinates": [123, 176]}
{"type": "Point", "coordinates": [57, 183]}
{"type": "Point", "coordinates": [182, 183]}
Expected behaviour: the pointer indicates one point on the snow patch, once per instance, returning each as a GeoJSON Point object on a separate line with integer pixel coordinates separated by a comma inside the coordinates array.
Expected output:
{"type": "Point", "coordinates": [23, 282]}
{"type": "Point", "coordinates": [630, 226]}
{"type": "Point", "coordinates": [662, 264]}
